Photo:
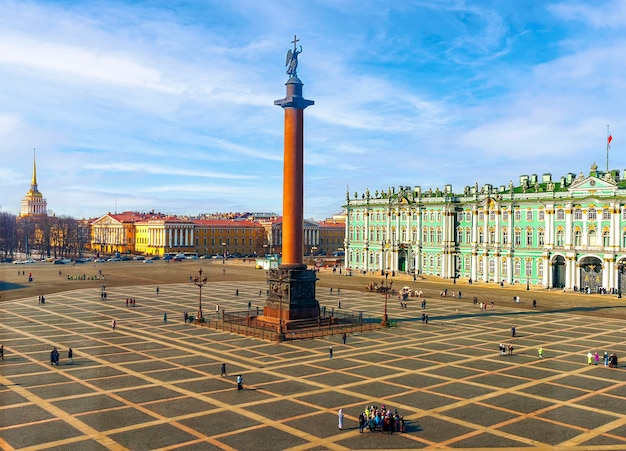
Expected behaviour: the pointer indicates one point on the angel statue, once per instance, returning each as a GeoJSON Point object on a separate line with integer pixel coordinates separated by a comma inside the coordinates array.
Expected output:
{"type": "Point", "coordinates": [292, 59]}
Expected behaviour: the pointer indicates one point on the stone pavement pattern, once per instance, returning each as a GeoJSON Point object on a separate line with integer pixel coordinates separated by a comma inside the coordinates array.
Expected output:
{"type": "Point", "coordinates": [155, 385]}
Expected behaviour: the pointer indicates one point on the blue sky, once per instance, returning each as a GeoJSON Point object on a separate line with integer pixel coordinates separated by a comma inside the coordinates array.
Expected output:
{"type": "Point", "coordinates": [145, 105]}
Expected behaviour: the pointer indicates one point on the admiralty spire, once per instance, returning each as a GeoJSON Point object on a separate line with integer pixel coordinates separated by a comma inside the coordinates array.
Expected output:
{"type": "Point", "coordinates": [34, 204]}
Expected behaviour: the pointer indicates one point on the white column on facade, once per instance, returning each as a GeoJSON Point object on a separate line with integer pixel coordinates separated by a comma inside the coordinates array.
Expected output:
{"type": "Point", "coordinates": [569, 280]}
{"type": "Point", "coordinates": [568, 224]}
{"type": "Point", "coordinates": [346, 239]}
{"type": "Point", "coordinates": [547, 272]}
{"type": "Point", "coordinates": [497, 277]}
{"type": "Point", "coordinates": [367, 238]}
{"type": "Point", "coordinates": [474, 269]}
{"type": "Point", "coordinates": [606, 271]}
{"type": "Point", "coordinates": [614, 241]}
{"type": "Point", "coordinates": [509, 268]}
{"type": "Point", "coordinates": [549, 225]}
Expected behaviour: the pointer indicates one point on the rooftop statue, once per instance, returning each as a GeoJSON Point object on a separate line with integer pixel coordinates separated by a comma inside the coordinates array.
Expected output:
{"type": "Point", "coordinates": [292, 59]}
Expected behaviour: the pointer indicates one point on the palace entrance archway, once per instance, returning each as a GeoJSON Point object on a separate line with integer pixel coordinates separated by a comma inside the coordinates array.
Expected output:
{"type": "Point", "coordinates": [590, 274]}
{"type": "Point", "coordinates": [558, 272]}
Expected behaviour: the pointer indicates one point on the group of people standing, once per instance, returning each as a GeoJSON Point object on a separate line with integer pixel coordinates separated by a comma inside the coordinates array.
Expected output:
{"type": "Point", "coordinates": [374, 418]}
{"type": "Point", "coordinates": [54, 356]}
{"type": "Point", "coordinates": [609, 360]}
{"type": "Point", "coordinates": [504, 348]}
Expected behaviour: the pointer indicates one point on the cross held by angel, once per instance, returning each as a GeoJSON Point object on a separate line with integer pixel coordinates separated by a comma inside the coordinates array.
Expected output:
{"type": "Point", "coordinates": [292, 59]}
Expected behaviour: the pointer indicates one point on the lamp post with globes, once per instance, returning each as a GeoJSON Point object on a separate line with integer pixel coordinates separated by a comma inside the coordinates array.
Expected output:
{"type": "Point", "coordinates": [200, 282]}
{"type": "Point", "coordinates": [223, 253]}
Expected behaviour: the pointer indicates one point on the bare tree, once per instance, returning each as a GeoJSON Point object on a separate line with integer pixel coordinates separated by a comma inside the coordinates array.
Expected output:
{"type": "Point", "coordinates": [8, 235]}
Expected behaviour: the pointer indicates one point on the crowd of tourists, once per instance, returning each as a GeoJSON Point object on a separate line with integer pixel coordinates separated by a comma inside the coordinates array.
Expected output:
{"type": "Point", "coordinates": [381, 419]}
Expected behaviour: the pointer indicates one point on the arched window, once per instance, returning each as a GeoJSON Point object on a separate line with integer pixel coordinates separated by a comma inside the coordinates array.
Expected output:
{"type": "Point", "coordinates": [432, 235]}
{"type": "Point", "coordinates": [403, 235]}
{"type": "Point", "coordinates": [560, 238]}
{"type": "Point", "coordinates": [439, 216]}
{"type": "Point", "coordinates": [505, 215]}
{"type": "Point", "coordinates": [481, 216]}
{"type": "Point", "coordinates": [518, 216]}
{"type": "Point", "coordinates": [560, 215]}
{"type": "Point", "coordinates": [518, 237]}
{"type": "Point", "coordinates": [439, 236]}
{"type": "Point", "coordinates": [578, 237]}
{"type": "Point", "coordinates": [492, 216]}
{"type": "Point", "coordinates": [593, 237]}
{"type": "Point", "coordinates": [592, 215]}
{"type": "Point", "coordinates": [481, 266]}
{"type": "Point", "coordinates": [459, 216]}
{"type": "Point", "coordinates": [438, 261]}
{"type": "Point", "coordinates": [424, 235]}
{"type": "Point", "coordinates": [541, 237]}
{"type": "Point", "coordinates": [529, 216]}
{"type": "Point", "coordinates": [505, 268]}
{"type": "Point", "coordinates": [540, 269]}
{"type": "Point", "coordinates": [481, 236]}
{"type": "Point", "coordinates": [606, 238]}
{"type": "Point", "coordinates": [606, 214]}
{"type": "Point", "coordinates": [468, 216]}
{"type": "Point", "coordinates": [505, 236]}
{"type": "Point", "coordinates": [528, 267]}
{"type": "Point", "coordinates": [529, 237]}
{"type": "Point", "coordinates": [459, 235]}
{"type": "Point", "coordinates": [541, 215]}
{"type": "Point", "coordinates": [468, 235]}
{"type": "Point", "coordinates": [492, 266]}
{"type": "Point", "coordinates": [517, 268]}
{"type": "Point", "coordinates": [415, 236]}
{"type": "Point", "coordinates": [492, 236]}
{"type": "Point", "coordinates": [578, 214]}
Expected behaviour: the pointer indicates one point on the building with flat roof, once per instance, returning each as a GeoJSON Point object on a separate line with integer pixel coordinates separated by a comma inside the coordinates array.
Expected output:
{"type": "Point", "coordinates": [569, 232]}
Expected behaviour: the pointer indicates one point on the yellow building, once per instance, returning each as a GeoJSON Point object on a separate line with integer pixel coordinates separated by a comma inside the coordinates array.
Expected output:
{"type": "Point", "coordinates": [332, 234]}
{"type": "Point", "coordinates": [164, 235]}
{"type": "Point", "coordinates": [228, 237]}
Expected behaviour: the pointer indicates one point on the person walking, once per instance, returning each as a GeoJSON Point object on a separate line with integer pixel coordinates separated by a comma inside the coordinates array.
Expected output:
{"type": "Point", "coordinates": [239, 382]}
{"type": "Point", "coordinates": [344, 337]}
{"type": "Point", "coordinates": [606, 358]}
{"type": "Point", "coordinates": [70, 355]}
{"type": "Point", "coordinates": [589, 357]}
{"type": "Point", "coordinates": [186, 317]}
{"type": "Point", "coordinates": [224, 370]}
{"type": "Point", "coordinates": [513, 331]}
{"type": "Point", "coordinates": [165, 317]}
{"type": "Point", "coordinates": [157, 290]}
{"type": "Point", "coordinates": [330, 352]}
{"type": "Point", "coordinates": [340, 419]}
{"type": "Point", "coordinates": [113, 324]}
{"type": "Point", "coordinates": [596, 357]}
{"type": "Point", "coordinates": [1, 352]}
{"type": "Point", "coordinates": [540, 352]}
{"type": "Point", "coordinates": [426, 319]}
{"type": "Point", "coordinates": [361, 422]}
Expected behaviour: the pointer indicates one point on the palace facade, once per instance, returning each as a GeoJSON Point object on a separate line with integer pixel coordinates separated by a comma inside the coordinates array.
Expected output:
{"type": "Point", "coordinates": [567, 233]}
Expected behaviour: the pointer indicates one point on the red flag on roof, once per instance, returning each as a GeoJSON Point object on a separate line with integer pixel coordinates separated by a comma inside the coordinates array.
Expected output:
{"type": "Point", "coordinates": [609, 139]}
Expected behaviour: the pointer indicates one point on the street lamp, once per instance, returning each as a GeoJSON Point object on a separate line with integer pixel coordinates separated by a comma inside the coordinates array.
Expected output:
{"type": "Point", "coordinates": [200, 282]}
{"type": "Point", "coordinates": [224, 253]}
{"type": "Point", "coordinates": [387, 287]}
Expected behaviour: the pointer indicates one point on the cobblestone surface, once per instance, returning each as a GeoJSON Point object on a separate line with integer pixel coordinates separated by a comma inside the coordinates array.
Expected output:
{"type": "Point", "coordinates": [151, 384]}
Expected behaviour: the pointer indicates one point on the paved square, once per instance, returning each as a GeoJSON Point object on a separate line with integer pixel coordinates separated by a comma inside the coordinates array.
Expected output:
{"type": "Point", "coordinates": [155, 384]}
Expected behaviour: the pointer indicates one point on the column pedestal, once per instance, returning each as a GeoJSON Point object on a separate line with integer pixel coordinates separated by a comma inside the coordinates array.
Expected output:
{"type": "Point", "coordinates": [291, 299]}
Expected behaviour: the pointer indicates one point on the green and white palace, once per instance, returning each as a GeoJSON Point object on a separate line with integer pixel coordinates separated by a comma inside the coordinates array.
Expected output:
{"type": "Point", "coordinates": [567, 233]}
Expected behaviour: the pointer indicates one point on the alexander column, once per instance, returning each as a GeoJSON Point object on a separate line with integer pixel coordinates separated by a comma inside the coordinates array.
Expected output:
{"type": "Point", "coordinates": [292, 287]}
